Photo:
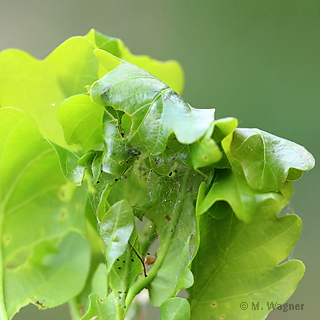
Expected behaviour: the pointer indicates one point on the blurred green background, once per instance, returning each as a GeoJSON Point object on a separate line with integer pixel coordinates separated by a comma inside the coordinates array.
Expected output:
{"type": "Point", "coordinates": [258, 61]}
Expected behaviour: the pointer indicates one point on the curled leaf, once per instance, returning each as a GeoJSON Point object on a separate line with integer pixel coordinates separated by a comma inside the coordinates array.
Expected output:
{"type": "Point", "coordinates": [69, 164]}
{"type": "Point", "coordinates": [205, 151]}
{"type": "Point", "coordinates": [156, 111]}
{"type": "Point", "coordinates": [232, 187]}
{"type": "Point", "coordinates": [267, 159]}
{"type": "Point", "coordinates": [81, 119]}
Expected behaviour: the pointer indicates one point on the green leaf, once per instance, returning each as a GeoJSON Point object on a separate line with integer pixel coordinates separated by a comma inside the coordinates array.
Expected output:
{"type": "Point", "coordinates": [238, 264]}
{"type": "Point", "coordinates": [115, 230]}
{"type": "Point", "coordinates": [175, 154]}
{"type": "Point", "coordinates": [124, 272]}
{"type": "Point", "coordinates": [27, 84]}
{"type": "Point", "coordinates": [155, 110]}
{"type": "Point", "coordinates": [224, 127]}
{"type": "Point", "coordinates": [175, 222]}
{"type": "Point", "coordinates": [101, 310]}
{"type": "Point", "coordinates": [208, 150]}
{"type": "Point", "coordinates": [205, 151]}
{"type": "Point", "coordinates": [176, 260]}
{"type": "Point", "coordinates": [186, 281]}
{"type": "Point", "coordinates": [45, 258]}
{"type": "Point", "coordinates": [209, 191]}
{"type": "Point", "coordinates": [38, 87]}
{"type": "Point", "coordinates": [267, 159]}
{"type": "Point", "coordinates": [232, 187]}
{"type": "Point", "coordinates": [69, 164]}
{"type": "Point", "coordinates": [97, 277]}
{"type": "Point", "coordinates": [117, 156]}
{"type": "Point", "coordinates": [170, 72]}
{"type": "Point", "coordinates": [104, 42]}
{"type": "Point", "coordinates": [139, 186]}
{"type": "Point", "coordinates": [175, 309]}
{"type": "Point", "coordinates": [99, 281]}
{"type": "Point", "coordinates": [172, 213]}
{"type": "Point", "coordinates": [108, 62]}
{"type": "Point", "coordinates": [51, 272]}
{"type": "Point", "coordinates": [81, 119]}
{"type": "Point", "coordinates": [73, 71]}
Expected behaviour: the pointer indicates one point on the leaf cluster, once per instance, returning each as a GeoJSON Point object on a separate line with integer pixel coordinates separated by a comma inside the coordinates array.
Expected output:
{"type": "Point", "coordinates": [111, 184]}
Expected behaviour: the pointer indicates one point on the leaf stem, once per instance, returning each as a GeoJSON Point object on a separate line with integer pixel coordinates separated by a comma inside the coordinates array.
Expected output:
{"type": "Point", "coordinates": [3, 311]}
{"type": "Point", "coordinates": [147, 236]}
{"type": "Point", "coordinates": [74, 309]}
{"type": "Point", "coordinates": [143, 282]}
{"type": "Point", "coordinates": [120, 312]}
